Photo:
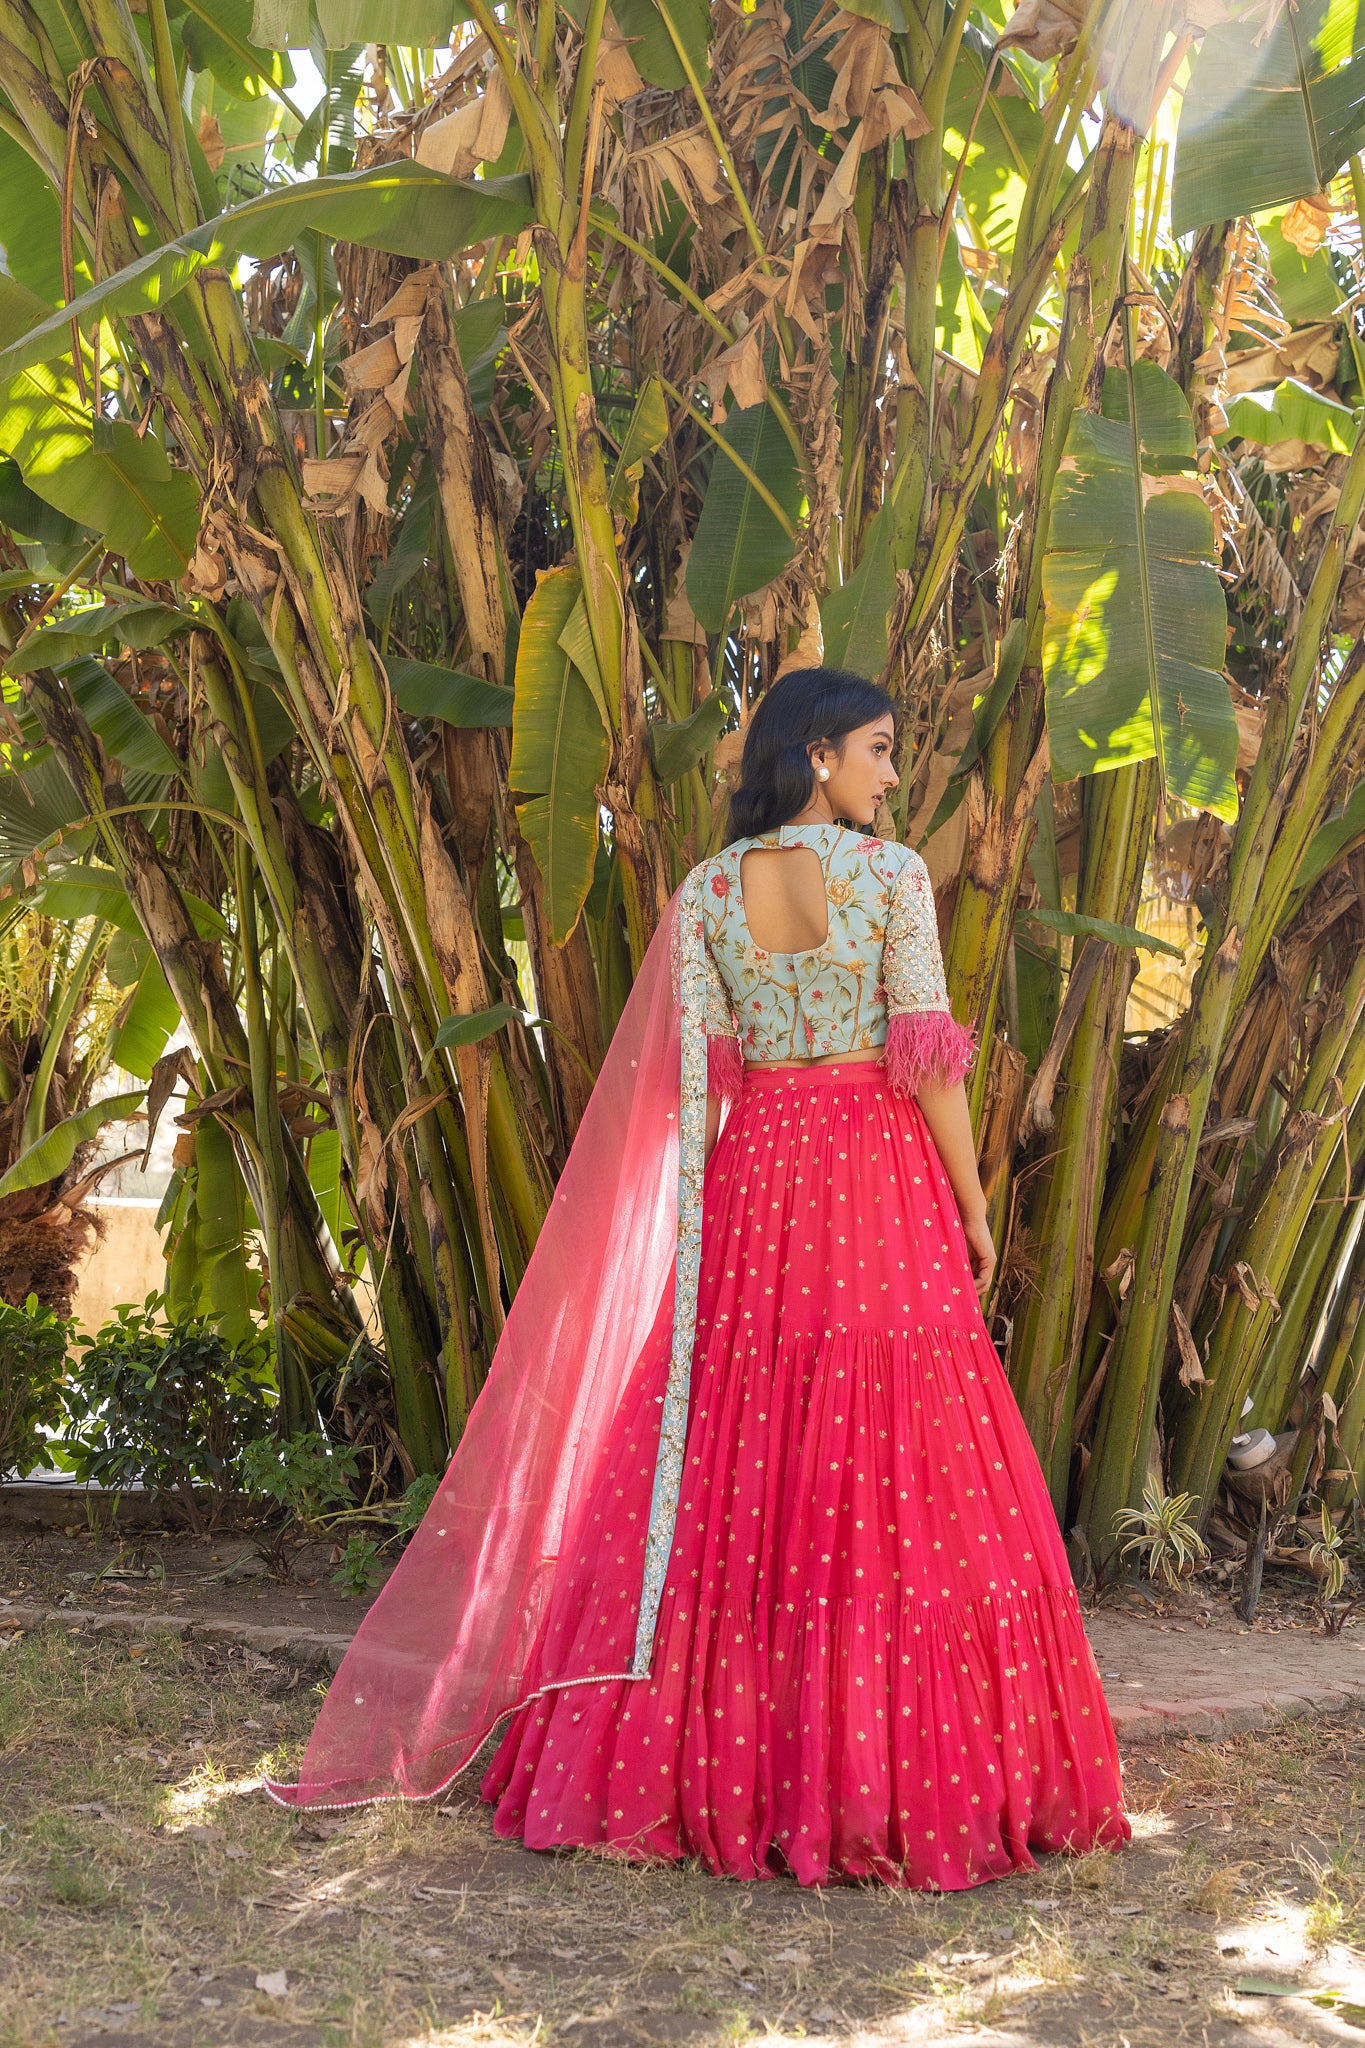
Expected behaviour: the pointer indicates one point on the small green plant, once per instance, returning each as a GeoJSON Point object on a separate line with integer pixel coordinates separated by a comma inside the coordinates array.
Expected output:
{"type": "Point", "coordinates": [358, 1561]}
{"type": "Point", "coordinates": [1165, 1538]}
{"type": "Point", "coordinates": [33, 1345]}
{"type": "Point", "coordinates": [408, 1512]}
{"type": "Point", "coordinates": [307, 1474]}
{"type": "Point", "coordinates": [1327, 1554]}
{"type": "Point", "coordinates": [316, 1483]}
{"type": "Point", "coordinates": [171, 1404]}
{"type": "Point", "coordinates": [80, 1887]}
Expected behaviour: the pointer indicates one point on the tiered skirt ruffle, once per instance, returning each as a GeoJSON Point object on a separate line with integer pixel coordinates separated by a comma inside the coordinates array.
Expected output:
{"type": "Point", "coordinates": [870, 1660]}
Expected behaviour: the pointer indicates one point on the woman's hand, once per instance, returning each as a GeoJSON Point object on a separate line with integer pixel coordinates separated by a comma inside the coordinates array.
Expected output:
{"type": "Point", "coordinates": [980, 1250]}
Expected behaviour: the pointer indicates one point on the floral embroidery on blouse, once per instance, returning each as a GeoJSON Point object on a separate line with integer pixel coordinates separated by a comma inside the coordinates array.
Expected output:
{"type": "Point", "coordinates": [880, 957]}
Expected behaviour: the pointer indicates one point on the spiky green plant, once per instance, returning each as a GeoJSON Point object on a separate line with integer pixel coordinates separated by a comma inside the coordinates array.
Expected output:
{"type": "Point", "coordinates": [1167, 1541]}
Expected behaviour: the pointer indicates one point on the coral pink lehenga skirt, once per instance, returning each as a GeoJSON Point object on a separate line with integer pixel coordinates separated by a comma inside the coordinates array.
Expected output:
{"type": "Point", "coordinates": [869, 1660]}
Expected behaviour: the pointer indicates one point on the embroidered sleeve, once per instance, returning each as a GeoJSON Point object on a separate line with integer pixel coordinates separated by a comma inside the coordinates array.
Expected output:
{"type": "Point", "coordinates": [924, 1043]}
{"type": "Point", "coordinates": [724, 1058]}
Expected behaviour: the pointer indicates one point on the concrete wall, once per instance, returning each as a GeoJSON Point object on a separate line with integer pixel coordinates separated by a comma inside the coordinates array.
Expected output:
{"type": "Point", "coordinates": [126, 1267]}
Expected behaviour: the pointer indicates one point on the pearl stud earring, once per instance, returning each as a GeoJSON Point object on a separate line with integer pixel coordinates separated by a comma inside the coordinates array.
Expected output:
{"type": "Point", "coordinates": [823, 774]}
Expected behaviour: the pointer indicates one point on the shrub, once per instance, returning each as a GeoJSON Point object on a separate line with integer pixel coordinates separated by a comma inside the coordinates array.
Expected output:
{"type": "Point", "coordinates": [33, 1346]}
{"type": "Point", "coordinates": [306, 1474]}
{"type": "Point", "coordinates": [171, 1404]}
{"type": "Point", "coordinates": [316, 1482]}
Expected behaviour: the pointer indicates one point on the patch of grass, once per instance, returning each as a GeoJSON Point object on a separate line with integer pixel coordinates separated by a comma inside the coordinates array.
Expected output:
{"type": "Point", "coordinates": [1336, 1907]}
{"type": "Point", "coordinates": [142, 1869]}
{"type": "Point", "coordinates": [84, 1890]}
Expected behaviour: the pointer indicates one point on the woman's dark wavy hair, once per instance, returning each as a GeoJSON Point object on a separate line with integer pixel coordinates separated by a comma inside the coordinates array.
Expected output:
{"type": "Point", "coordinates": [776, 778]}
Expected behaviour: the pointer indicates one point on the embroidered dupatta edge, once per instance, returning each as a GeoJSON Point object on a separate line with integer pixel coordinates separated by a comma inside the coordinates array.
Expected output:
{"type": "Point", "coordinates": [692, 1078]}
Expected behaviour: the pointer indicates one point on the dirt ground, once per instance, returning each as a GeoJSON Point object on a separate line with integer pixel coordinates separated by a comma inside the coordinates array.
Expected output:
{"type": "Point", "coordinates": [154, 1898]}
{"type": "Point", "coordinates": [223, 1576]}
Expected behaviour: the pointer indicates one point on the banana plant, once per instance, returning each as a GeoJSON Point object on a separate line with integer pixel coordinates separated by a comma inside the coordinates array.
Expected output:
{"type": "Point", "coordinates": [426, 431]}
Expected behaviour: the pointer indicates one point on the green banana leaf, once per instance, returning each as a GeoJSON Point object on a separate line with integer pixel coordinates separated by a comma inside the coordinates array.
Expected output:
{"type": "Point", "coordinates": [1331, 840]}
{"type": "Point", "coordinates": [644, 24]}
{"type": "Point", "coordinates": [402, 208]}
{"type": "Point", "coordinates": [130, 625]}
{"type": "Point", "coordinates": [676, 748]}
{"type": "Point", "coordinates": [26, 514]}
{"type": "Point", "coordinates": [1270, 117]}
{"type": "Point", "coordinates": [33, 224]}
{"type": "Point", "coordinates": [1305, 287]}
{"type": "Point", "coordinates": [56, 1149]}
{"type": "Point", "coordinates": [1073, 925]}
{"type": "Point", "coordinates": [646, 431]}
{"type": "Point", "coordinates": [478, 1024]}
{"type": "Point", "coordinates": [1009, 135]}
{"type": "Point", "coordinates": [148, 1016]}
{"type": "Point", "coordinates": [324, 1174]}
{"type": "Point", "coordinates": [425, 690]}
{"type": "Point", "coordinates": [738, 545]}
{"type": "Point", "coordinates": [415, 24]}
{"type": "Point", "coordinates": [855, 619]}
{"type": "Point", "coordinates": [127, 733]}
{"type": "Point", "coordinates": [34, 807]}
{"type": "Point", "coordinates": [408, 554]}
{"type": "Point", "coordinates": [560, 751]}
{"type": "Point", "coordinates": [79, 892]}
{"type": "Point", "coordinates": [1136, 622]}
{"type": "Point", "coordinates": [327, 137]}
{"type": "Point", "coordinates": [227, 1281]}
{"type": "Point", "coordinates": [218, 40]}
{"type": "Point", "coordinates": [886, 13]}
{"type": "Point", "coordinates": [1292, 412]}
{"type": "Point", "coordinates": [103, 475]}
{"type": "Point", "coordinates": [481, 335]}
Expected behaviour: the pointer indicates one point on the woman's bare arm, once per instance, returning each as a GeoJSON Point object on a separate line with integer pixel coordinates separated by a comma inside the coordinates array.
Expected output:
{"type": "Point", "coordinates": [950, 1126]}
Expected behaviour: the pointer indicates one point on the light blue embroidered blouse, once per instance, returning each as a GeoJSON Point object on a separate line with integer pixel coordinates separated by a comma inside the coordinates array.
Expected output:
{"type": "Point", "coordinates": [880, 958]}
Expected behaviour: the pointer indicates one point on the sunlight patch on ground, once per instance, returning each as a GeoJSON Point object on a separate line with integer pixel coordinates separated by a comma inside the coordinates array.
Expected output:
{"type": "Point", "coordinates": [1151, 1827]}
{"type": "Point", "coordinates": [198, 1797]}
{"type": "Point", "coordinates": [481, 2030]}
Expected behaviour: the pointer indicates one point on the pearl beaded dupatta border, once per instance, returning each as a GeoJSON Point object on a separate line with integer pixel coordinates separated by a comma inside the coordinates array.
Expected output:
{"type": "Point", "coordinates": [442, 1654]}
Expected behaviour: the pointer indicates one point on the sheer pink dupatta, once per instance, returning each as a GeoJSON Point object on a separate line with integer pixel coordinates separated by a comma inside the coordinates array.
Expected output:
{"type": "Point", "coordinates": [442, 1654]}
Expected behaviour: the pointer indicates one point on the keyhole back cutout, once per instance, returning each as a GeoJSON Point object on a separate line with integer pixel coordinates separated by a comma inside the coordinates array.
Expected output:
{"type": "Point", "coordinates": [782, 889]}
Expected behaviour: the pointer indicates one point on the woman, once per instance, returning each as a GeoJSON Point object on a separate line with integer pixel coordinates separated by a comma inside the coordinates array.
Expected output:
{"type": "Point", "coordinates": [746, 1524]}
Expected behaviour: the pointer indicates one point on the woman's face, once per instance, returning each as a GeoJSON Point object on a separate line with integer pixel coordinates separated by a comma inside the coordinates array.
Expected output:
{"type": "Point", "coordinates": [860, 771]}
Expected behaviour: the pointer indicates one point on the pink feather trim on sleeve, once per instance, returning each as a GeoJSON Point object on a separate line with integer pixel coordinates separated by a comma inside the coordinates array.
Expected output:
{"type": "Point", "coordinates": [724, 1067]}
{"type": "Point", "coordinates": [926, 1045]}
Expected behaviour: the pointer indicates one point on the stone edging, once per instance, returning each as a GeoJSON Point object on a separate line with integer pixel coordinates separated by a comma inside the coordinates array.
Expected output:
{"type": "Point", "coordinates": [310, 1646]}
{"type": "Point", "coordinates": [1240, 1713]}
